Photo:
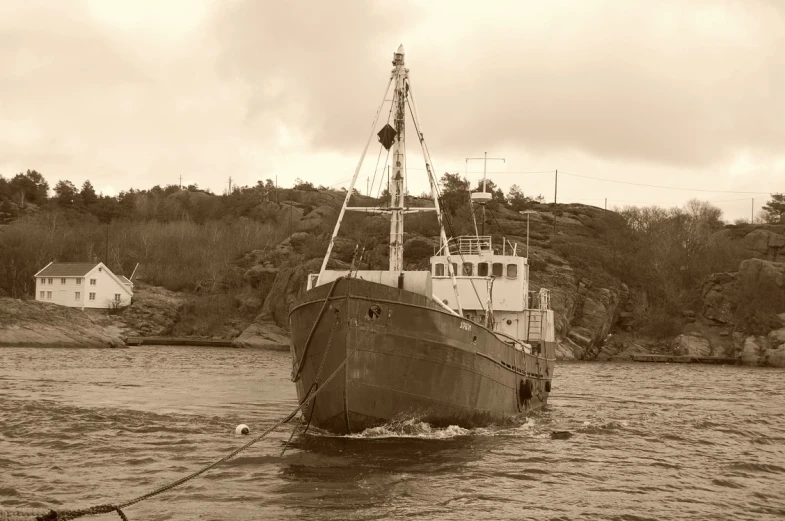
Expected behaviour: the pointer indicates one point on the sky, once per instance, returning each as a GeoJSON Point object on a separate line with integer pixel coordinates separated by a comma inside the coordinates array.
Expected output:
{"type": "Point", "coordinates": [612, 94]}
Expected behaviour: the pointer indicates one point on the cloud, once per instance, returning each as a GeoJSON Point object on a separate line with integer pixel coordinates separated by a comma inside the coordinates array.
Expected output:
{"type": "Point", "coordinates": [134, 94]}
{"type": "Point", "coordinates": [672, 83]}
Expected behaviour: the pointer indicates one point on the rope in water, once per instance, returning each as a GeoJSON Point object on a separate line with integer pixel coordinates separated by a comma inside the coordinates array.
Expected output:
{"type": "Point", "coordinates": [66, 515]}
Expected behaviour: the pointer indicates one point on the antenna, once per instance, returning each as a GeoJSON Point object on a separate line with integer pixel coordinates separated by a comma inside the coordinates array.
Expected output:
{"type": "Point", "coordinates": [482, 197]}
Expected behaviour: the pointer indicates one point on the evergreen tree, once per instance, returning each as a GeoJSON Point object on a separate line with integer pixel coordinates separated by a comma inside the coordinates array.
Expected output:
{"type": "Point", "coordinates": [65, 193]}
{"type": "Point", "coordinates": [88, 194]}
{"type": "Point", "coordinates": [30, 187]}
{"type": "Point", "coordinates": [775, 209]}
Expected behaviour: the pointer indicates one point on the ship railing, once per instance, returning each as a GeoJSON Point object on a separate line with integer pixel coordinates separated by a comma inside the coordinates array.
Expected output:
{"type": "Point", "coordinates": [540, 299]}
{"type": "Point", "coordinates": [474, 244]}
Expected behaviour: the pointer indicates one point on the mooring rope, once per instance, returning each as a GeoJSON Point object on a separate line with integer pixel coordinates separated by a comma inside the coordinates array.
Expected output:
{"type": "Point", "coordinates": [67, 515]}
{"type": "Point", "coordinates": [315, 382]}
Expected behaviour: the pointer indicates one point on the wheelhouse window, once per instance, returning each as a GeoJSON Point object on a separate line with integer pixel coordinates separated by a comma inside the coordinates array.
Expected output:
{"type": "Point", "coordinates": [438, 269]}
{"type": "Point", "coordinates": [468, 269]}
{"type": "Point", "coordinates": [482, 269]}
{"type": "Point", "coordinates": [512, 271]}
{"type": "Point", "coordinates": [498, 269]}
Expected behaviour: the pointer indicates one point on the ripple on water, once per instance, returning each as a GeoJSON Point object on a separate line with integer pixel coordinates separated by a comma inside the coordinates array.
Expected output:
{"type": "Point", "coordinates": [674, 441]}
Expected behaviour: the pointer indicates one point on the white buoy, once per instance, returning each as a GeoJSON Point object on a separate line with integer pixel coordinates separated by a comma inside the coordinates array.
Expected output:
{"type": "Point", "coordinates": [242, 430]}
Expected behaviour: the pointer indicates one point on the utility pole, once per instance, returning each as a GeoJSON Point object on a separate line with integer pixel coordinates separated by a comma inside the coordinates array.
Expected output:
{"type": "Point", "coordinates": [479, 197]}
{"type": "Point", "coordinates": [606, 204]}
{"type": "Point", "coordinates": [276, 188]}
{"type": "Point", "coordinates": [555, 192]}
{"type": "Point", "coordinates": [752, 211]}
{"type": "Point", "coordinates": [181, 181]}
{"type": "Point", "coordinates": [367, 186]}
{"type": "Point", "coordinates": [230, 186]}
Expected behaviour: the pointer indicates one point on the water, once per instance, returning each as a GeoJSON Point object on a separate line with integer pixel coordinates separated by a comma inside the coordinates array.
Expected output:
{"type": "Point", "coordinates": [83, 427]}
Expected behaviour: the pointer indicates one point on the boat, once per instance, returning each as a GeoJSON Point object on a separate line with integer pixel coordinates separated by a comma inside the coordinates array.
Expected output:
{"type": "Point", "coordinates": [465, 343]}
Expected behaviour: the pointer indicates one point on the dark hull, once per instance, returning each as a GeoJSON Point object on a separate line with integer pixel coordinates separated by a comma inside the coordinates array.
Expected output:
{"type": "Point", "coordinates": [407, 358]}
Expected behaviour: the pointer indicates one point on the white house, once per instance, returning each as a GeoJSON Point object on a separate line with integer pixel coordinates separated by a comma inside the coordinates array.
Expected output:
{"type": "Point", "coordinates": [82, 285]}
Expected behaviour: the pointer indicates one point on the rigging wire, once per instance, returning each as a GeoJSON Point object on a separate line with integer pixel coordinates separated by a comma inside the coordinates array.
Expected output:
{"type": "Point", "coordinates": [420, 136]}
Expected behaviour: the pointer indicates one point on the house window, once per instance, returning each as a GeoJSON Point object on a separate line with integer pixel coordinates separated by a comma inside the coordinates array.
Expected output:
{"type": "Point", "coordinates": [77, 295]}
{"type": "Point", "coordinates": [78, 281]}
{"type": "Point", "coordinates": [498, 269]}
{"type": "Point", "coordinates": [62, 280]}
{"type": "Point", "coordinates": [117, 297]}
{"type": "Point", "coordinates": [92, 282]}
{"type": "Point", "coordinates": [512, 271]}
{"type": "Point", "coordinates": [438, 269]}
{"type": "Point", "coordinates": [50, 281]}
{"type": "Point", "coordinates": [41, 294]}
{"type": "Point", "coordinates": [49, 295]}
{"type": "Point", "coordinates": [482, 269]}
{"type": "Point", "coordinates": [100, 269]}
{"type": "Point", "coordinates": [468, 269]}
{"type": "Point", "coordinates": [92, 296]}
{"type": "Point", "coordinates": [43, 280]}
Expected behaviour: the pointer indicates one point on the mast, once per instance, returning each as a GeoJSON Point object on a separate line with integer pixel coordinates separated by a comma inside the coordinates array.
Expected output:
{"type": "Point", "coordinates": [397, 195]}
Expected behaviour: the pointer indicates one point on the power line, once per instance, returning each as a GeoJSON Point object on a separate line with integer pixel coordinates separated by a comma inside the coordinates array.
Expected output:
{"type": "Point", "coordinates": [664, 187]}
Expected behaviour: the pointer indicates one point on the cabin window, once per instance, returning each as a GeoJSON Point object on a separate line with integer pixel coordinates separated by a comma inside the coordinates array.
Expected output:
{"type": "Point", "coordinates": [482, 269]}
{"type": "Point", "coordinates": [498, 269]}
{"type": "Point", "coordinates": [468, 269]}
{"type": "Point", "coordinates": [512, 271]}
{"type": "Point", "coordinates": [438, 269]}
{"type": "Point", "coordinates": [62, 281]}
{"type": "Point", "coordinates": [92, 296]}
{"type": "Point", "coordinates": [77, 295]}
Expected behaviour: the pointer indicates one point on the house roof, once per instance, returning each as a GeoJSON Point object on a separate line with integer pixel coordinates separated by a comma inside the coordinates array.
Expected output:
{"type": "Point", "coordinates": [67, 269]}
{"type": "Point", "coordinates": [124, 279]}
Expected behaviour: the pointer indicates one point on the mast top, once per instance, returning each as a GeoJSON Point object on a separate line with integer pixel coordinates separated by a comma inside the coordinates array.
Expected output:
{"type": "Point", "coordinates": [398, 56]}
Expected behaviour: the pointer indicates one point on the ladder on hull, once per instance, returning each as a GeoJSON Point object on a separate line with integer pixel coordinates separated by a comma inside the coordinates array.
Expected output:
{"type": "Point", "coordinates": [534, 325]}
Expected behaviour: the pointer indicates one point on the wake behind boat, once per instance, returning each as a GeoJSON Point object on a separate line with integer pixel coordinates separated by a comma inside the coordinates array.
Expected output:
{"type": "Point", "coordinates": [465, 343]}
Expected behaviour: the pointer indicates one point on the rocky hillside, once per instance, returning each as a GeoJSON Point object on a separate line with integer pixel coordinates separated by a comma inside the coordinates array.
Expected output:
{"type": "Point", "coordinates": [27, 323]}
{"type": "Point", "coordinates": [604, 292]}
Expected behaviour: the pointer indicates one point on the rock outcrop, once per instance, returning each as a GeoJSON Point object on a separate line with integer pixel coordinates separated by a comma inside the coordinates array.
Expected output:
{"type": "Point", "coordinates": [29, 323]}
{"type": "Point", "coordinates": [270, 328]}
{"type": "Point", "coordinates": [746, 304]}
{"type": "Point", "coordinates": [154, 311]}
{"type": "Point", "coordinates": [765, 244]}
